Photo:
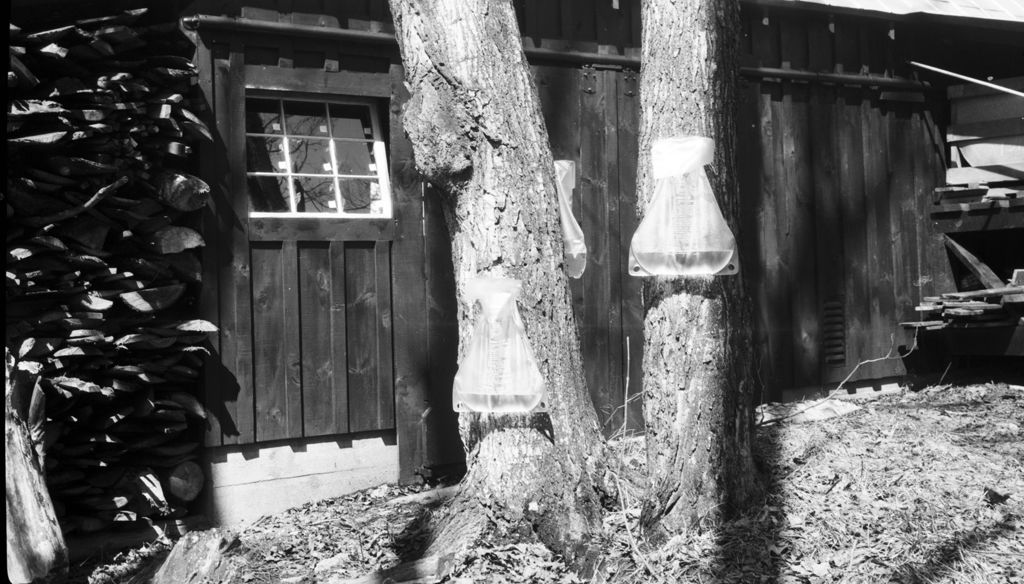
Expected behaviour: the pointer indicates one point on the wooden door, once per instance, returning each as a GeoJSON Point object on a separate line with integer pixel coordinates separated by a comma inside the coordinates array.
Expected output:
{"type": "Point", "coordinates": [592, 118]}
{"type": "Point", "coordinates": [304, 232]}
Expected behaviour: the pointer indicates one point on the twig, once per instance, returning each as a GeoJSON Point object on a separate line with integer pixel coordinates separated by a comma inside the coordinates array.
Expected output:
{"type": "Point", "coordinates": [889, 355]}
{"type": "Point", "coordinates": [625, 391]}
{"type": "Point", "coordinates": [75, 211]}
{"type": "Point", "coordinates": [791, 415]}
{"type": "Point", "coordinates": [629, 532]}
{"type": "Point", "coordinates": [426, 497]}
{"type": "Point", "coordinates": [941, 379]}
{"type": "Point", "coordinates": [621, 432]}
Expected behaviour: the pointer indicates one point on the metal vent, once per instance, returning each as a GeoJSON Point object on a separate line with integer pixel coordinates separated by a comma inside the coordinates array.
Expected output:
{"type": "Point", "coordinates": [833, 338]}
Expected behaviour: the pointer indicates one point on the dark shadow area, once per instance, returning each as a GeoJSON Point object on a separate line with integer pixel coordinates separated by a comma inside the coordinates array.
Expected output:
{"type": "Point", "coordinates": [748, 542]}
{"type": "Point", "coordinates": [439, 428]}
{"type": "Point", "coordinates": [943, 558]}
{"type": "Point", "coordinates": [220, 387]}
{"type": "Point", "coordinates": [749, 547]}
{"type": "Point", "coordinates": [936, 365]}
{"type": "Point", "coordinates": [412, 542]}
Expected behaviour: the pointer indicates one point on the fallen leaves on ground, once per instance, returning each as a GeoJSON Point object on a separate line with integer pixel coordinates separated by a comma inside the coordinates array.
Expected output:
{"type": "Point", "coordinates": [914, 488]}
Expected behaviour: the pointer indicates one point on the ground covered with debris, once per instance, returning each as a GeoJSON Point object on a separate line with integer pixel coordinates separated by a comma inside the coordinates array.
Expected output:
{"type": "Point", "coordinates": [922, 487]}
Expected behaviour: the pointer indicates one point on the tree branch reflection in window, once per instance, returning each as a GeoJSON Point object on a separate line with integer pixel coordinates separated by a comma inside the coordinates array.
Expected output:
{"type": "Point", "coordinates": [307, 157]}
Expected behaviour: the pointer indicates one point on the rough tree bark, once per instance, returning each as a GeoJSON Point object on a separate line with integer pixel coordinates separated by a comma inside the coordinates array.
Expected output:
{"type": "Point", "coordinates": [477, 133]}
{"type": "Point", "coordinates": [36, 551]}
{"type": "Point", "coordinates": [697, 377]}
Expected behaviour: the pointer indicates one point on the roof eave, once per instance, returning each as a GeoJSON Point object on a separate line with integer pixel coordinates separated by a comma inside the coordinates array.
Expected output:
{"type": "Point", "coordinates": [911, 17]}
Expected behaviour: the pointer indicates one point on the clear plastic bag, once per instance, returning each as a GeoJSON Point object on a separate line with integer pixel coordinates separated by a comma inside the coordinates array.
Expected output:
{"type": "Point", "coordinates": [498, 372]}
{"type": "Point", "coordinates": [575, 246]}
{"type": "Point", "coordinates": [683, 232]}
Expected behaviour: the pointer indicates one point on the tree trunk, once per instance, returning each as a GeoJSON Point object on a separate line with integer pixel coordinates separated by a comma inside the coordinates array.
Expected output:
{"type": "Point", "coordinates": [36, 551]}
{"type": "Point", "coordinates": [477, 133]}
{"type": "Point", "coordinates": [698, 380]}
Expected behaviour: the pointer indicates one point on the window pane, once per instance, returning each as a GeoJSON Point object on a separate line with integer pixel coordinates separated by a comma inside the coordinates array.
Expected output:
{"type": "Point", "coordinates": [351, 121]}
{"type": "Point", "coordinates": [360, 196]}
{"type": "Point", "coordinates": [310, 156]}
{"type": "Point", "coordinates": [265, 154]}
{"type": "Point", "coordinates": [263, 116]}
{"type": "Point", "coordinates": [269, 193]}
{"type": "Point", "coordinates": [355, 157]}
{"type": "Point", "coordinates": [305, 118]}
{"type": "Point", "coordinates": [314, 194]}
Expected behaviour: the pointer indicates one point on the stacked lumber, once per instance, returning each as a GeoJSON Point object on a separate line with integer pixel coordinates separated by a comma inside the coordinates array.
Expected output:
{"type": "Point", "coordinates": [986, 144]}
{"type": "Point", "coordinates": [102, 270]}
{"type": "Point", "coordinates": [1000, 304]}
{"type": "Point", "coordinates": [978, 308]}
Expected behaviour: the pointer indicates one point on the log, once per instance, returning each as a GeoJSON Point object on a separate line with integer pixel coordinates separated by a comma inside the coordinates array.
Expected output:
{"type": "Point", "coordinates": [194, 126]}
{"type": "Point", "coordinates": [44, 139]}
{"type": "Point", "coordinates": [186, 266]}
{"type": "Point", "coordinates": [88, 232]}
{"type": "Point", "coordinates": [188, 402]}
{"type": "Point", "coordinates": [126, 17]}
{"type": "Point", "coordinates": [36, 551]}
{"type": "Point", "coordinates": [22, 73]}
{"type": "Point", "coordinates": [34, 107]}
{"type": "Point", "coordinates": [202, 556]}
{"type": "Point", "coordinates": [79, 166]}
{"type": "Point", "coordinates": [175, 239]}
{"type": "Point", "coordinates": [73, 212]}
{"type": "Point", "coordinates": [81, 273]}
{"type": "Point", "coordinates": [184, 481]}
{"type": "Point", "coordinates": [183, 192]}
{"type": "Point", "coordinates": [28, 202]}
{"type": "Point", "coordinates": [153, 299]}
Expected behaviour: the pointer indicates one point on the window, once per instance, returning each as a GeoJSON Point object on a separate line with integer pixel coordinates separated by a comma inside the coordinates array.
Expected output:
{"type": "Point", "coordinates": [315, 158]}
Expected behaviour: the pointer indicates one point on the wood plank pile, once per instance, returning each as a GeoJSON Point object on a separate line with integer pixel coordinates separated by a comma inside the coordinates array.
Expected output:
{"type": "Point", "coordinates": [986, 144]}
{"type": "Point", "coordinates": [102, 269]}
{"type": "Point", "coordinates": [978, 308]}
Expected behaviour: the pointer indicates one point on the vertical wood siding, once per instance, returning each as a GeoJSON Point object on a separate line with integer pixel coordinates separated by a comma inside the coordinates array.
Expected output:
{"type": "Point", "coordinates": [592, 119]}
{"type": "Point", "coordinates": [837, 182]}
{"type": "Point", "coordinates": [304, 306]}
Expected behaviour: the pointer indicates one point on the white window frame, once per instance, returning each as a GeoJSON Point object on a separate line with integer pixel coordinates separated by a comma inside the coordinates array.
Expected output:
{"type": "Point", "coordinates": [379, 157]}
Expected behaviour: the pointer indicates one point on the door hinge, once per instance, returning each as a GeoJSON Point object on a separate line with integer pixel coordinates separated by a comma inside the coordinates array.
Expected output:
{"type": "Point", "coordinates": [589, 81]}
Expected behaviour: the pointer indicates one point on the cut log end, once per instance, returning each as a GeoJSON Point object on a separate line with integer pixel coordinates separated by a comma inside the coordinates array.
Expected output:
{"type": "Point", "coordinates": [153, 299]}
{"type": "Point", "coordinates": [185, 481]}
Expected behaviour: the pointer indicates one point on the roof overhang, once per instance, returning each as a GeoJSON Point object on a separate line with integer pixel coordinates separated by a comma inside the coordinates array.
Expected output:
{"type": "Point", "coordinates": [1007, 15]}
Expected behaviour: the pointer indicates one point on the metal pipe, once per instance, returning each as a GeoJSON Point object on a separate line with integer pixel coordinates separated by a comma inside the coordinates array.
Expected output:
{"type": "Point", "coordinates": [582, 58]}
{"type": "Point", "coordinates": [382, 38]}
{"type": "Point", "coordinates": [534, 54]}
{"type": "Point", "coordinates": [835, 78]}
{"type": "Point", "coordinates": [209, 21]}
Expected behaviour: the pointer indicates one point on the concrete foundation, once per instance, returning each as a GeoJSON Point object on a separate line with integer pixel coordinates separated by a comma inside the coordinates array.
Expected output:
{"type": "Point", "coordinates": [247, 482]}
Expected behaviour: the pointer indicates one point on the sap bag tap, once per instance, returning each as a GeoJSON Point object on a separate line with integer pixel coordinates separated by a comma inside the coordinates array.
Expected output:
{"type": "Point", "coordinates": [683, 232]}
{"type": "Point", "coordinates": [498, 372]}
{"type": "Point", "coordinates": [575, 246]}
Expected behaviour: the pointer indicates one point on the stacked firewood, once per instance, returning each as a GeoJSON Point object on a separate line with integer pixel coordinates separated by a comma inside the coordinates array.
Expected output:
{"type": "Point", "coordinates": [102, 267]}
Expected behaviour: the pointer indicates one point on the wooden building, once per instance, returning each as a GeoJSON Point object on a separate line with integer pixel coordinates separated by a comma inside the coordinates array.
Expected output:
{"type": "Point", "coordinates": [328, 265]}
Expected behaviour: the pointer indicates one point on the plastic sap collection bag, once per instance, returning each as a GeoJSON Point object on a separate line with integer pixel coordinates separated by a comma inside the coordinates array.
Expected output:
{"type": "Point", "coordinates": [498, 372]}
{"type": "Point", "coordinates": [575, 246]}
{"type": "Point", "coordinates": [683, 232]}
